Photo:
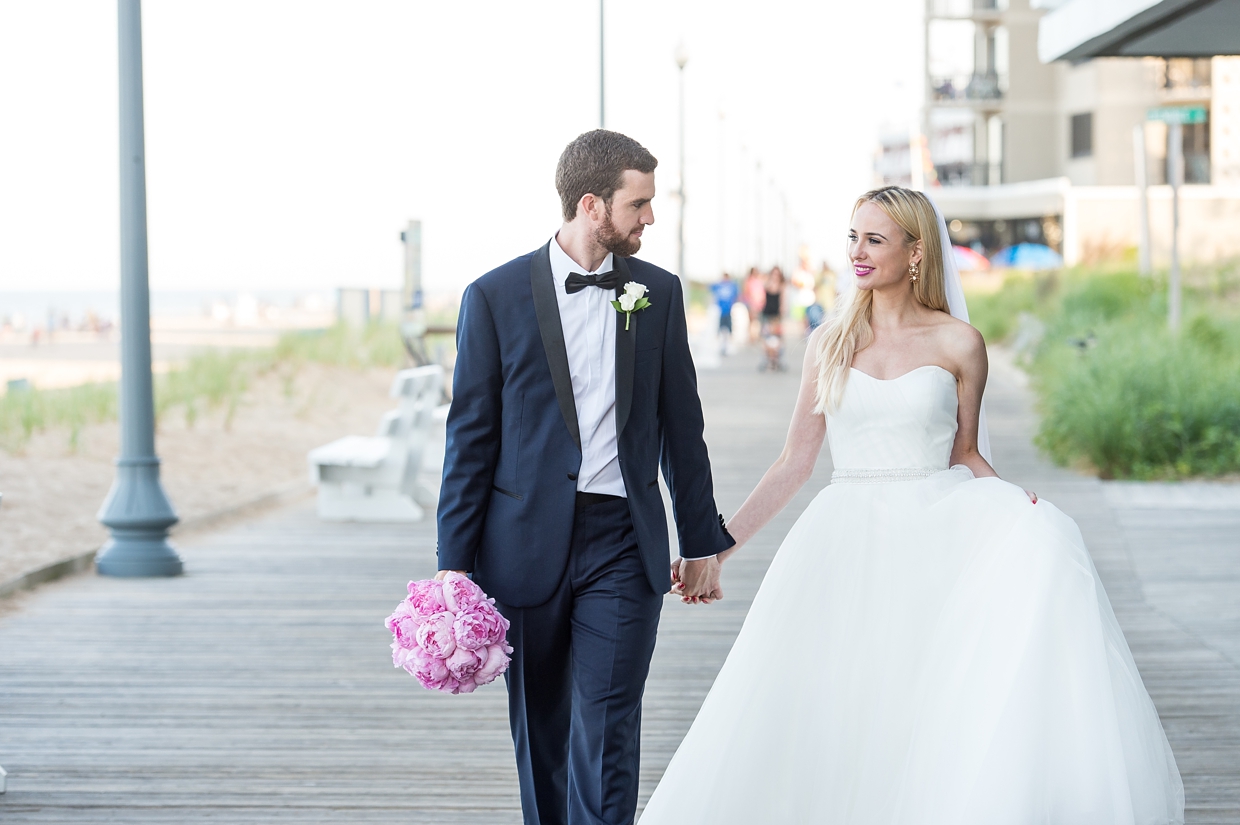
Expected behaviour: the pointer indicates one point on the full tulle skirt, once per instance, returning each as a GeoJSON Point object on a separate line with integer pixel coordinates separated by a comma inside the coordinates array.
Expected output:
{"type": "Point", "coordinates": [938, 652]}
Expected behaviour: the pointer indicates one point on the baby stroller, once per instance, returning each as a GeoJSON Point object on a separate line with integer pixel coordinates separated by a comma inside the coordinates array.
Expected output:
{"type": "Point", "coordinates": [772, 337]}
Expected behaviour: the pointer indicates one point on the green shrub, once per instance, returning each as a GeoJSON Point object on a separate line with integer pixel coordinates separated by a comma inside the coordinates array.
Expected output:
{"type": "Point", "coordinates": [1118, 392]}
{"type": "Point", "coordinates": [1085, 302]}
{"type": "Point", "coordinates": [1142, 403]}
{"type": "Point", "coordinates": [995, 313]}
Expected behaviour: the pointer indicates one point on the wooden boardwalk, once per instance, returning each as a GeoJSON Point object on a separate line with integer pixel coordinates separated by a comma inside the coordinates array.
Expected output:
{"type": "Point", "coordinates": [258, 687]}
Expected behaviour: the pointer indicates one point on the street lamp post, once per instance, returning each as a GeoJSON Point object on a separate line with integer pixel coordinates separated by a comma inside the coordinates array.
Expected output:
{"type": "Point", "coordinates": [682, 59]}
{"type": "Point", "coordinates": [1143, 200]}
{"type": "Point", "coordinates": [137, 510]}
{"type": "Point", "coordinates": [761, 216]}
{"type": "Point", "coordinates": [1175, 173]}
{"type": "Point", "coordinates": [602, 68]}
{"type": "Point", "coordinates": [722, 199]}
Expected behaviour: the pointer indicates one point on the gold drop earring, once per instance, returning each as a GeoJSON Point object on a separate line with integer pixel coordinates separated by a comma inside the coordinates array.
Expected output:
{"type": "Point", "coordinates": [912, 272]}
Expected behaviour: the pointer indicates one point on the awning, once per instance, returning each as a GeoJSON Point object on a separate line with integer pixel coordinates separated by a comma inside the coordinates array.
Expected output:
{"type": "Point", "coordinates": [1007, 201]}
{"type": "Point", "coordinates": [1083, 29]}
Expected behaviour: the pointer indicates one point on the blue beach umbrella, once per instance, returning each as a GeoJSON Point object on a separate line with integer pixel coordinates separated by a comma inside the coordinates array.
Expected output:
{"type": "Point", "coordinates": [1027, 256]}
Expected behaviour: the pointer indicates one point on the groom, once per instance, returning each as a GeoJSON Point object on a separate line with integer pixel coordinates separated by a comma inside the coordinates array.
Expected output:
{"type": "Point", "coordinates": [563, 410]}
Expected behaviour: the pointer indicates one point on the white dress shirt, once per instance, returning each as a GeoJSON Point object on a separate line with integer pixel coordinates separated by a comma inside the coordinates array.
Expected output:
{"type": "Point", "coordinates": [589, 322]}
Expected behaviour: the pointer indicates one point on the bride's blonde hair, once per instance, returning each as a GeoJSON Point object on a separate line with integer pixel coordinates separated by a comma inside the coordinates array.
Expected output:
{"type": "Point", "coordinates": [849, 331]}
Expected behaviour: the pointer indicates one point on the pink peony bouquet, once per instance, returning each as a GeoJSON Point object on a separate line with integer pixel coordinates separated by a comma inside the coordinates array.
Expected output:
{"type": "Point", "coordinates": [449, 635]}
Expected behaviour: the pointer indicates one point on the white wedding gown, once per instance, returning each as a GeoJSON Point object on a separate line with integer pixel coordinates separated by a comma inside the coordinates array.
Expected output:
{"type": "Point", "coordinates": [926, 648]}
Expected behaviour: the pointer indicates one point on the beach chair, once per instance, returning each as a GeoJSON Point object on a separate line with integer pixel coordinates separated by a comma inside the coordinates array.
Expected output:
{"type": "Point", "coordinates": [392, 476]}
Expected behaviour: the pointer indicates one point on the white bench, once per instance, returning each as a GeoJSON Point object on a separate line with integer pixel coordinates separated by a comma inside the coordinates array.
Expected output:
{"type": "Point", "coordinates": [394, 475]}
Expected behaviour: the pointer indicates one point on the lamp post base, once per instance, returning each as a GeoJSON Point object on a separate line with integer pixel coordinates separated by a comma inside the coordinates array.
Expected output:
{"type": "Point", "coordinates": [138, 513]}
{"type": "Point", "coordinates": [138, 554]}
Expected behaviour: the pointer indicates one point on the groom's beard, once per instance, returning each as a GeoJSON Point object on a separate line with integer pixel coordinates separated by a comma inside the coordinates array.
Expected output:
{"type": "Point", "coordinates": [615, 242]}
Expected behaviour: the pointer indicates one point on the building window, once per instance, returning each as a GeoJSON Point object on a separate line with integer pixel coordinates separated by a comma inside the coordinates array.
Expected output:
{"type": "Point", "coordinates": [1196, 152]}
{"type": "Point", "coordinates": [1083, 135]}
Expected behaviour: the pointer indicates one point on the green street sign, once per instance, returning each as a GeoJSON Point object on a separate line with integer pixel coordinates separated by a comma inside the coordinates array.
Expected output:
{"type": "Point", "coordinates": [1178, 114]}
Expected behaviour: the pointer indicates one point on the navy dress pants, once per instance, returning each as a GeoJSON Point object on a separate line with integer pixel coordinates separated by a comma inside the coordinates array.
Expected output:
{"type": "Point", "coordinates": [579, 667]}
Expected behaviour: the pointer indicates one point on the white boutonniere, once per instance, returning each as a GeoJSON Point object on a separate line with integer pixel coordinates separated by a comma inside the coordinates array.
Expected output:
{"type": "Point", "coordinates": [633, 299]}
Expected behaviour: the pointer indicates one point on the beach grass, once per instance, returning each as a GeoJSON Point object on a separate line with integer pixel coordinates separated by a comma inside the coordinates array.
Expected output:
{"type": "Point", "coordinates": [25, 412]}
{"type": "Point", "coordinates": [210, 380]}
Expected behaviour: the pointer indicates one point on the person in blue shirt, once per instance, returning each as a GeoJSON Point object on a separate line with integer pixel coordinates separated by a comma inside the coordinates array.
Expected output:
{"type": "Point", "coordinates": [725, 293]}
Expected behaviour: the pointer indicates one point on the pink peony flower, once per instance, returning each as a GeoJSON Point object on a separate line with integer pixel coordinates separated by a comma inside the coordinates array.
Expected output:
{"type": "Point", "coordinates": [495, 664]}
{"type": "Point", "coordinates": [425, 599]}
{"type": "Point", "coordinates": [402, 655]}
{"type": "Point", "coordinates": [404, 625]}
{"type": "Point", "coordinates": [459, 593]}
{"type": "Point", "coordinates": [435, 635]}
{"type": "Point", "coordinates": [431, 672]}
{"type": "Point", "coordinates": [449, 635]}
{"type": "Point", "coordinates": [463, 663]}
{"type": "Point", "coordinates": [479, 626]}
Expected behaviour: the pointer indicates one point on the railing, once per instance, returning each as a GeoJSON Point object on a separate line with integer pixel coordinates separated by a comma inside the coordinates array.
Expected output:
{"type": "Point", "coordinates": [1186, 73]}
{"type": "Point", "coordinates": [1185, 79]}
{"type": "Point", "coordinates": [990, 86]}
{"type": "Point", "coordinates": [963, 174]}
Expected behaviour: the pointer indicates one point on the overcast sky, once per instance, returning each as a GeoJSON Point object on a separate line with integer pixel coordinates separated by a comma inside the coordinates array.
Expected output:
{"type": "Point", "coordinates": [288, 142]}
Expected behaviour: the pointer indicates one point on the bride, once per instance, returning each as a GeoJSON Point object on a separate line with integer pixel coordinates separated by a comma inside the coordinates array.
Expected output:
{"type": "Point", "coordinates": [931, 644]}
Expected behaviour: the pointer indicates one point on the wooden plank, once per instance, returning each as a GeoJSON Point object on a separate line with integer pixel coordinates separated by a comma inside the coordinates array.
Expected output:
{"type": "Point", "coordinates": [258, 687]}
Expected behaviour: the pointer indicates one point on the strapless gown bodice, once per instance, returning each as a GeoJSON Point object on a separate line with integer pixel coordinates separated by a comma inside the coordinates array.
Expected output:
{"type": "Point", "coordinates": [907, 422]}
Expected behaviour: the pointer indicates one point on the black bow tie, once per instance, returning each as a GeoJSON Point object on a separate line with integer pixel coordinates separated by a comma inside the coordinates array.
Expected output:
{"type": "Point", "coordinates": [575, 282]}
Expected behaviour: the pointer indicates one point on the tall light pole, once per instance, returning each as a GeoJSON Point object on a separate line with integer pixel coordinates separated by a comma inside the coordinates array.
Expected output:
{"type": "Point", "coordinates": [744, 211]}
{"type": "Point", "coordinates": [722, 201]}
{"type": "Point", "coordinates": [761, 221]}
{"type": "Point", "coordinates": [784, 252]}
{"type": "Point", "coordinates": [1175, 174]}
{"type": "Point", "coordinates": [682, 59]}
{"type": "Point", "coordinates": [1143, 200]}
{"type": "Point", "coordinates": [602, 68]}
{"type": "Point", "coordinates": [136, 510]}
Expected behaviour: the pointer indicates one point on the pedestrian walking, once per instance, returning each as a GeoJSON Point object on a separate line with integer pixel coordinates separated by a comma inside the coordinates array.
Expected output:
{"type": "Point", "coordinates": [801, 292]}
{"type": "Point", "coordinates": [725, 292]}
{"type": "Point", "coordinates": [754, 297]}
{"type": "Point", "coordinates": [772, 332]}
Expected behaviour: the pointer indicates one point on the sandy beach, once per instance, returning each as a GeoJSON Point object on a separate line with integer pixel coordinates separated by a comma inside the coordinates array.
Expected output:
{"type": "Point", "coordinates": [52, 492]}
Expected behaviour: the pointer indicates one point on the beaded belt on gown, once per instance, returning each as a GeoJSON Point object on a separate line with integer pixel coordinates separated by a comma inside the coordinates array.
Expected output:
{"type": "Point", "coordinates": [881, 475]}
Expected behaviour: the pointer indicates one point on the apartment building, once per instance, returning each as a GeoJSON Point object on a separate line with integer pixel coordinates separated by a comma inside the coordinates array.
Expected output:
{"type": "Point", "coordinates": [1020, 150]}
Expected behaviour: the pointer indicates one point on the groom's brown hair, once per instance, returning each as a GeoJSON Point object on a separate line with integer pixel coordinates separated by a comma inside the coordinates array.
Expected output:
{"type": "Point", "coordinates": [595, 162]}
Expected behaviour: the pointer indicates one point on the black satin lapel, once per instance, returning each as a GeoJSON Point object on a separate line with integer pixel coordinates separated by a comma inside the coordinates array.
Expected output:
{"type": "Point", "coordinates": [548, 311]}
{"type": "Point", "coordinates": [626, 345]}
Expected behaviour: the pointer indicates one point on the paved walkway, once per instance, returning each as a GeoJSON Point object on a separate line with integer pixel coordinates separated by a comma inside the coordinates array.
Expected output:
{"type": "Point", "coordinates": [258, 688]}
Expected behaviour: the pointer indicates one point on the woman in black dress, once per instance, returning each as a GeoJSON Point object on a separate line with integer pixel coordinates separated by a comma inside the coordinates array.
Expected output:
{"type": "Point", "coordinates": [772, 321]}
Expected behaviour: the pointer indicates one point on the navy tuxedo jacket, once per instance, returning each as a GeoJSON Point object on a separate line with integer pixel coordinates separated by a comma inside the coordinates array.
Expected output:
{"type": "Point", "coordinates": [507, 503]}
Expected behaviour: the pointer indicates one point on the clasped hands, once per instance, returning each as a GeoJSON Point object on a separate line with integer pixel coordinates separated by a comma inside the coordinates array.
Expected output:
{"type": "Point", "coordinates": [696, 581]}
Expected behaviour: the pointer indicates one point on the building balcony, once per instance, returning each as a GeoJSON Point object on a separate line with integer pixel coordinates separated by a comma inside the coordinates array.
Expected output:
{"type": "Point", "coordinates": [968, 89]}
{"type": "Point", "coordinates": [981, 10]}
{"type": "Point", "coordinates": [965, 174]}
{"type": "Point", "coordinates": [1186, 80]}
